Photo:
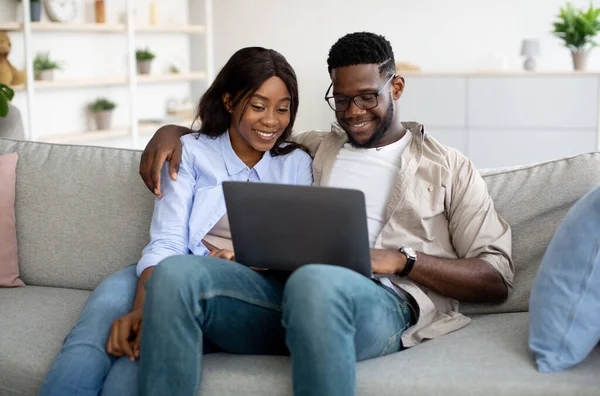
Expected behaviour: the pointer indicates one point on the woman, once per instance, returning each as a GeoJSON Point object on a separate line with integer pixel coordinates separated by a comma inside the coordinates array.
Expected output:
{"type": "Point", "coordinates": [247, 114]}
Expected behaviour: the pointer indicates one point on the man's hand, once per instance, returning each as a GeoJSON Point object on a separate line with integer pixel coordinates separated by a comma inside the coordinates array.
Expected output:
{"type": "Point", "coordinates": [164, 146]}
{"type": "Point", "coordinates": [222, 254]}
{"type": "Point", "coordinates": [125, 336]}
{"type": "Point", "coordinates": [387, 261]}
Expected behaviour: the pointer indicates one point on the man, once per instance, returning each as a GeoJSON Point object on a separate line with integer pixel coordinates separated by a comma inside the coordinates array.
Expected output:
{"type": "Point", "coordinates": [432, 228]}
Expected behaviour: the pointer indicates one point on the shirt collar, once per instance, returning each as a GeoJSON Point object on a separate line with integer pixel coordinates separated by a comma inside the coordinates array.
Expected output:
{"type": "Point", "coordinates": [263, 167]}
{"type": "Point", "coordinates": [235, 165]}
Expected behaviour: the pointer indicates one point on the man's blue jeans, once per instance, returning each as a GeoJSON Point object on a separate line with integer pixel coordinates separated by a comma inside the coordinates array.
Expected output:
{"type": "Point", "coordinates": [327, 317]}
{"type": "Point", "coordinates": [83, 367]}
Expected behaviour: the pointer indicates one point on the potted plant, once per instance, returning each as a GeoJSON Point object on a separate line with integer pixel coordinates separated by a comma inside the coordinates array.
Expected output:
{"type": "Point", "coordinates": [144, 59]}
{"type": "Point", "coordinates": [44, 67]}
{"type": "Point", "coordinates": [102, 110]}
{"type": "Point", "coordinates": [577, 28]}
{"type": "Point", "coordinates": [6, 95]}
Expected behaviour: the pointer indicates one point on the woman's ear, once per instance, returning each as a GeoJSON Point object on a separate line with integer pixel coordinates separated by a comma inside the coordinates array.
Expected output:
{"type": "Point", "coordinates": [227, 102]}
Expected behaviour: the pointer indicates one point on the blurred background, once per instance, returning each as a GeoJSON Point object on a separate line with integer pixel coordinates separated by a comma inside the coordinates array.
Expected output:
{"type": "Point", "coordinates": [493, 79]}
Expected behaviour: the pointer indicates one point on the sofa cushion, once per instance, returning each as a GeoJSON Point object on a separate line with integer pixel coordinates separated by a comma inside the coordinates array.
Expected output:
{"type": "Point", "coordinates": [33, 323]}
{"type": "Point", "coordinates": [533, 200]}
{"type": "Point", "coordinates": [489, 356]}
{"type": "Point", "coordinates": [9, 264]}
{"type": "Point", "coordinates": [565, 299]}
{"type": "Point", "coordinates": [83, 212]}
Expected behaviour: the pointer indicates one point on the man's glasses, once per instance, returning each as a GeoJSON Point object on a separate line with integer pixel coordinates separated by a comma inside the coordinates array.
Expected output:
{"type": "Point", "coordinates": [365, 101]}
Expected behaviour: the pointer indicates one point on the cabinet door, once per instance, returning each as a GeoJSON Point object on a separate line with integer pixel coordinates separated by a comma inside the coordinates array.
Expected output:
{"type": "Point", "coordinates": [435, 101]}
{"type": "Point", "coordinates": [452, 137]}
{"type": "Point", "coordinates": [552, 102]}
{"type": "Point", "coordinates": [490, 148]}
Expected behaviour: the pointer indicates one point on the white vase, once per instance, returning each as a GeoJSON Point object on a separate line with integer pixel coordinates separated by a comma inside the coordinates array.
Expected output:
{"type": "Point", "coordinates": [103, 120]}
{"type": "Point", "coordinates": [580, 59]}
{"type": "Point", "coordinates": [44, 75]}
{"type": "Point", "coordinates": [143, 67]}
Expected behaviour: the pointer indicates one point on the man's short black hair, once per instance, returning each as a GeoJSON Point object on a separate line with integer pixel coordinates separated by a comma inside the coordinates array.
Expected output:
{"type": "Point", "coordinates": [360, 49]}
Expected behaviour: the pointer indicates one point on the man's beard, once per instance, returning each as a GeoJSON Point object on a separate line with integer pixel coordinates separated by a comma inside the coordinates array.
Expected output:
{"type": "Point", "coordinates": [383, 127]}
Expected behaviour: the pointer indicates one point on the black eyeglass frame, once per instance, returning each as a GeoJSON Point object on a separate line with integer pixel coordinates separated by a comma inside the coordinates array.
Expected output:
{"type": "Point", "coordinates": [353, 98]}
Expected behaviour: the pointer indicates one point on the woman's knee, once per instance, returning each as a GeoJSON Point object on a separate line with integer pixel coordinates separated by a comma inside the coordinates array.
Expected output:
{"type": "Point", "coordinates": [112, 298]}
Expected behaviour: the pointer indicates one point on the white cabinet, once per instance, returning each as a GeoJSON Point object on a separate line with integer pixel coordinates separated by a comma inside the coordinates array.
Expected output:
{"type": "Point", "coordinates": [507, 119]}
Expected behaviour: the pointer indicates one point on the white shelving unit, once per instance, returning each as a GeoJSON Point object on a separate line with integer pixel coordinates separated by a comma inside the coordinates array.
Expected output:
{"type": "Point", "coordinates": [130, 30]}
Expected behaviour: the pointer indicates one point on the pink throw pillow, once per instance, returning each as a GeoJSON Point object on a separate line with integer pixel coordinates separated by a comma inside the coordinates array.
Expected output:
{"type": "Point", "coordinates": [9, 265]}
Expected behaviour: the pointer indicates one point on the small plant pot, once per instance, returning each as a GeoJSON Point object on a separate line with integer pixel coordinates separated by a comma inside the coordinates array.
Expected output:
{"type": "Point", "coordinates": [36, 11]}
{"type": "Point", "coordinates": [579, 60]}
{"type": "Point", "coordinates": [143, 67]}
{"type": "Point", "coordinates": [44, 75]}
{"type": "Point", "coordinates": [103, 119]}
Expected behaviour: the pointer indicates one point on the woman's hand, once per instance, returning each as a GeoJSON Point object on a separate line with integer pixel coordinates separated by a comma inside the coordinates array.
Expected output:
{"type": "Point", "coordinates": [125, 336]}
{"type": "Point", "coordinates": [222, 254]}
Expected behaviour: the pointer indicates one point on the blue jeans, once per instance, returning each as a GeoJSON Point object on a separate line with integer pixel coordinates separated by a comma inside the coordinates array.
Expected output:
{"type": "Point", "coordinates": [83, 367]}
{"type": "Point", "coordinates": [327, 317]}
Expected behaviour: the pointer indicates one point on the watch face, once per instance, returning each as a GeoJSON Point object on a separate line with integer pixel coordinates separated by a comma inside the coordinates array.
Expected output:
{"type": "Point", "coordinates": [410, 251]}
{"type": "Point", "coordinates": [60, 10]}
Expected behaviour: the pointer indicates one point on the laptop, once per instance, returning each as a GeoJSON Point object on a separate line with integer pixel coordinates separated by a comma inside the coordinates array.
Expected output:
{"type": "Point", "coordinates": [283, 227]}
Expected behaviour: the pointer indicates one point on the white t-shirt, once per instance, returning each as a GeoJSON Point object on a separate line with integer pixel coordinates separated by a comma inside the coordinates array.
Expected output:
{"type": "Point", "coordinates": [372, 171]}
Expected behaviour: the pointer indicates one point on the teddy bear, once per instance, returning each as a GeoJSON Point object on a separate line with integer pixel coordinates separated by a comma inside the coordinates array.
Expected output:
{"type": "Point", "coordinates": [8, 74]}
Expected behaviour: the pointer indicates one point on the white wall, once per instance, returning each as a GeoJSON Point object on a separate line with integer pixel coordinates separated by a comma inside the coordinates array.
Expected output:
{"type": "Point", "coordinates": [434, 34]}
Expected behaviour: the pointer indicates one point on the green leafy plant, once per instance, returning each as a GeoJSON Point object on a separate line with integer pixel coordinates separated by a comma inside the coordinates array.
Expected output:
{"type": "Point", "coordinates": [43, 62]}
{"type": "Point", "coordinates": [101, 104]}
{"type": "Point", "coordinates": [144, 55]}
{"type": "Point", "coordinates": [6, 95]}
{"type": "Point", "coordinates": [577, 28]}
{"type": "Point", "coordinates": [174, 69]}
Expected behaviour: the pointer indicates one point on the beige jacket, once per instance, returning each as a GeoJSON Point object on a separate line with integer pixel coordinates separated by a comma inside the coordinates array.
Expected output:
{"type": "Point", "coordinates": [440, 206]}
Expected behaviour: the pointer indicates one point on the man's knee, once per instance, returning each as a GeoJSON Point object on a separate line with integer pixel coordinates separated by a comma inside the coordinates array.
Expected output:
{"type": "Point", "coordinates": [178, 277]}
{"type": "Point", "coordinates": [318, 289]}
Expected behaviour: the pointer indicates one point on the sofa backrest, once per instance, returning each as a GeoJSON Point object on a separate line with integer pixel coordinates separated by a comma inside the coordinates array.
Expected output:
{"type": "Point", "coordinates": [534, 199]}
{"type": "Point", "coordinates": [84, 213]}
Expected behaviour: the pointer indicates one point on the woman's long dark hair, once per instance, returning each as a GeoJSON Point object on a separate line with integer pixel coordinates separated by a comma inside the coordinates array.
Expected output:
{"type": "Point", "coordinates": [241, 77]}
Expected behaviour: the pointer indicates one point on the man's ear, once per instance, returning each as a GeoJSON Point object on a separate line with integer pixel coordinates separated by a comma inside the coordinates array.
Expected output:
{"type": "Point", "coordinates": [397, 87]}
{"type": "Point", "coordinates": [227, 102]}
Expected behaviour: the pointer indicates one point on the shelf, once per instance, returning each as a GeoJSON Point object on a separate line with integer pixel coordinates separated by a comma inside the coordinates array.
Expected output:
{"type": "Point", "coordinates": [77, 27]}
{"type": "Point", "coordinates": [144, 128]}
{"type": "Point", "coordinates": [99, 28]}
{"type": "Point", "coordinates": [86, 136]}
{"type": "Point", "coordinates": [113, 81]}
{"type": "Point", "coordinates": [153, 78]}
{"type": "Point", "coordinates": [11, 26]}
{"type": "Point", "coordinates": [18, 88]}
{"type": "Point", "coordinates": [171, 29]}
{"type": "Point", "coordinates": [148, 128]}
{"type": "Point", "coordinates": [81, 83]}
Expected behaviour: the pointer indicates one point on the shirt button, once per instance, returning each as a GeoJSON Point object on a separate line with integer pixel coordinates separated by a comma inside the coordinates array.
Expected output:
{"type": "Point", "coordinates": [430, 189]}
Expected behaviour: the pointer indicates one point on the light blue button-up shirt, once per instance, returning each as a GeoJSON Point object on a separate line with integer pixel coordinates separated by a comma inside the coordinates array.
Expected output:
{"type": "Point", "coordinates": [194, 203]}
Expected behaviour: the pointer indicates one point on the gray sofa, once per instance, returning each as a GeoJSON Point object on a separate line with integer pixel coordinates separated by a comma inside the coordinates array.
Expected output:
{"type": "Point", "coordinates": [83, 213]}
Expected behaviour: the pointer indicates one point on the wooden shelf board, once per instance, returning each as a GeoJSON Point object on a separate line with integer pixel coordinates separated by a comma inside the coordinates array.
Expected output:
{"type": "Point", "coordinates": [77, 27]}
{"type": "Point", "coordinates": [144, 79]}
{"type": "Point", "coordinates": [11, 26]}
{"type": "Point", "coordinates": [146, 128]}
{"type": "Point", "coordinates": [80, 83]}
{"type": "Point", "coordinates": [171, 29]}
{"type": "Point", "coordinates": [85, 136]}
{"type": "Point", "coordinates": [99, 27]}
